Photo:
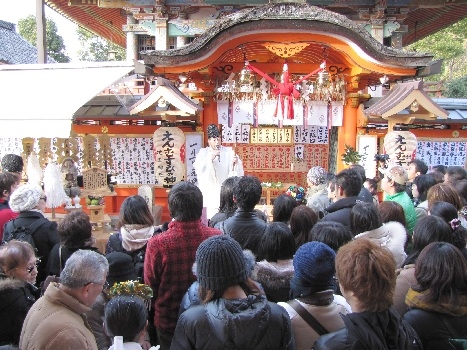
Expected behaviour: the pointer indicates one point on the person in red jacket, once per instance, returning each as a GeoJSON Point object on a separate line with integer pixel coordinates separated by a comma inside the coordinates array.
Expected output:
{"type": "Point", "coordinates": [170, 256]}
{"type": "Point", "coordinates": [9, 182]}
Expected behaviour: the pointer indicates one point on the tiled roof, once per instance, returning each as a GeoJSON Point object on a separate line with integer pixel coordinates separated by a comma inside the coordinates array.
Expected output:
{"type": "Point", "coordinates": [14, 49]}
{"type": "Point", "coordinates": [399, 99]}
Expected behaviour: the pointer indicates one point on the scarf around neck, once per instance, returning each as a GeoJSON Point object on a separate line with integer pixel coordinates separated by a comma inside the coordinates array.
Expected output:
{"type": "Point", "coordinates": [134, 237]}
{"type": "Point", "coordinates": [414, 299]}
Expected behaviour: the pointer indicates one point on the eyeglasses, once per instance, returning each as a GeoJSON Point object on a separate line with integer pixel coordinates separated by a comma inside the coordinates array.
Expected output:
{"type": "Point", "coordinates": [104, 286]}
{"type": "Point", "coordinates": [30, 269]}
{"type": "Point", "coordinates": [44, 198]}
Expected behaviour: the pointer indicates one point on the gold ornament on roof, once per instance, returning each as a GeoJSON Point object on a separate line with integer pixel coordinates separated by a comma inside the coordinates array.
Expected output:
{"type": "Point", "coordinates": [285, 50]}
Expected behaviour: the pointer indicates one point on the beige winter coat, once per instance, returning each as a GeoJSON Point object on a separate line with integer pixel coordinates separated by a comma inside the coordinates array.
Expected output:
{"type": "Point", "coordinates": [328, 315]}
{"type": "Point", "coordinates": [405, 280]}
{"type": "Point", "coordinates": [56, 321]}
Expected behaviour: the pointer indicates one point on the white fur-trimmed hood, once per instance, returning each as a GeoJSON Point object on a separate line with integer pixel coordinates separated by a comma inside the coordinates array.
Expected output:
{"type": "Point", "coordinates": [391, 235]}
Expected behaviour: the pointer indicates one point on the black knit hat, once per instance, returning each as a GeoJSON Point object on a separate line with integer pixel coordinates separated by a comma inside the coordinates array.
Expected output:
{"type": "Point", "coordinates": [314, 265]}
{"type": "Point", "coordinates": [213, 131]}
{"type": "Point", "coordinates": [12, 163]}
{"type": "Point", "coordinates": [121, 268]}
{"type": "Point", "coordinates": [220, 263]}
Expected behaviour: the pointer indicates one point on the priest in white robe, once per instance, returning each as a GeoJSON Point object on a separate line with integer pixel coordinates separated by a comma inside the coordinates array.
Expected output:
{"type": "Point", "coordinates": [213, 165]}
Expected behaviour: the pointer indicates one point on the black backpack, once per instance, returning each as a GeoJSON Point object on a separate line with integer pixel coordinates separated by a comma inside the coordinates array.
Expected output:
{"type": "Point", "coordinates": [22, 233]}
{"type": "Point", "coordinates": [138, 261]}
{"type": "Point", "coordinates": [138, 256]}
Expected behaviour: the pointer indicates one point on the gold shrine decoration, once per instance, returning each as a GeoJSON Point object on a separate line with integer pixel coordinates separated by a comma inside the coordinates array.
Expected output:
{"type": "Point", "coordinates": [89, 151]}
{"type": "Point", "coordinates": [66, 148]}
{"type": "Point", "coordinates": [105, 152]}
{"type": "Point", "coordinates": [271, 136]}
{"type": "Point", "coordinates": [285, 50]}
{"type": "Point", "coordinates": [45, 151]}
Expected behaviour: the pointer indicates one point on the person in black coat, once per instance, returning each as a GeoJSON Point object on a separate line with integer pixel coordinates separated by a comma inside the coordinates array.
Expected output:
{"type": "Point", "coordinates": [18, 272]}
{"type": "Point", "coordinates": [235, 314]}
{"type": "Point", "coordinates": [75, 232]}
{"type": "Point", "coordinates": [29, 201]}
{"type": "Point", "coordinates": [367, 279]}
{"type": "Point", "coordinates": [348, 184]}
{"type": "Point", "coordinates": [438, 302]}
{"type": "Point", "coordinates": [245, 226]}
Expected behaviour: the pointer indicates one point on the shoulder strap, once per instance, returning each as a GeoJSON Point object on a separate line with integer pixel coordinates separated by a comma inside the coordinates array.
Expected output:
{"type": "Point", "coordinates": [307, 317]}
{"type": "Point", "coordinates": [36, 224]}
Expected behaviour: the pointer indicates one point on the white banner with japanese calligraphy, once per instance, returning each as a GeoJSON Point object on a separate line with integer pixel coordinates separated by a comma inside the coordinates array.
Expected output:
{"type": "Point", "coordinates": [193, 142]}
{"type": "Point", "coordinates": [222, 112]}
{"type": "Point", "coordinates": [337, 113]}
{"type": "Point", "coordinates": [439, 152]}
{"type": "Point", "coordinates": [242, 112]}
{"type": "Point", "coordinates": [367, 146]}
{"type": "Point", "coordinates": [311, 135]}
{"type": "Point", "coordinates": [317, 113]}
{"type": "Point", "coordinates": [237, 133]}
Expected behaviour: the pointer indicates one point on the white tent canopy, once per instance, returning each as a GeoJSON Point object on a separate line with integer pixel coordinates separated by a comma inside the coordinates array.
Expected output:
{"type": "Point", "coordinates": [39, 100]}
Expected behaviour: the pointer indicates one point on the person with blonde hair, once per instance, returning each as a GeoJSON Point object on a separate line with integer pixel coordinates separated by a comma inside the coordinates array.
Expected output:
{"type": "Point", "coordinates": [367, 279]}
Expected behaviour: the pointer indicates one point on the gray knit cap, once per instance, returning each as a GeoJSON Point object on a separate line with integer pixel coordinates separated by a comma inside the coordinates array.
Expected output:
{"type": "Point", "coordinates": [25, 197]}
{"type": "Point", "coordinates": [220, 263]}
{"type": "Point", "coordinates": [316, 175]}
{"type": "Point", "coordinates": [12, 163]}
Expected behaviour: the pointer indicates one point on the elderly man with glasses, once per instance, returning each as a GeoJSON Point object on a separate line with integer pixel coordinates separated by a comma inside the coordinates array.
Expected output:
{"type": "Point", "coordinates": [57, 320]}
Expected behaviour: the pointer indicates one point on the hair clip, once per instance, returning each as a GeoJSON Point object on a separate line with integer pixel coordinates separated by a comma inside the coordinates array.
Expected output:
{"type": "Point", "coordinates": [455, 223]}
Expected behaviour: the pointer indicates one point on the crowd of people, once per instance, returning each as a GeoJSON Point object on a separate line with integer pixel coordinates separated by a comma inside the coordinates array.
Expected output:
{"type": "Point", "coordinates": [337, 268]}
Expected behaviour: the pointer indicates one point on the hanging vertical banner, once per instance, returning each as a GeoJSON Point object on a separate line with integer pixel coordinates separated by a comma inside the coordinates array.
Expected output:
{"type": "Point", "coordinates": [228, 134]}
{"type": "Point", "coordinates": [245, 137]}
{"type": "Point", "coordinates": [317, 113]}
{"type": "Point", "coordinates": [222, 112]}
{"type": "Point", "coordinates": [194, 142]}
{"type": "Point", "coordinates": [242, 112]}
{"type": "Point", "coordinates": [299, 151]}
{"type": "Point", "coordinates": [298, 114]}
{"type": "Point", "coordinates": [169, 155]}
{"type": "Point", "coordinates": [337, 113]}
{"type": "Point", "coordinates": [265, 112]}
{"type": "Point", "coordinates": [367, 146]}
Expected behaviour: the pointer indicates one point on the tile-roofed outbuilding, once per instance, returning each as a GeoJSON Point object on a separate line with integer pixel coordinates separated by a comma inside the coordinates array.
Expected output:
{"type": "Point", "coordinates": [14, 49]}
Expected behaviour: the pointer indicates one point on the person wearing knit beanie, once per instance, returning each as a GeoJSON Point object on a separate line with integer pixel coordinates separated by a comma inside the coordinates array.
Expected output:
{"type": "Point", "coordinates": [220, 263]}
{"type": "Point", "coordinates": [29, 201]}
{"type": "Point", "coordinates": [317, 193]}
{"type": "Point", "coordinates": [25, 197]}
{"type": "Point", "coordinates": [12, 163]}
{"type": "Point", "coordinates": [312, 288]}
{"type": "Point", "coordinates": [235, 313]}
{"type": "Point", "coordinates": [314, 265]}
